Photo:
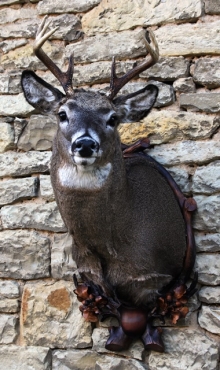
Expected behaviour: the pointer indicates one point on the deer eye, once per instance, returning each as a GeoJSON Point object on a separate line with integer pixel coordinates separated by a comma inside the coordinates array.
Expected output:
{"type": "Point", "coordinates": [113, 120]}
{"type": "Point", "coordinates": [62, 115]}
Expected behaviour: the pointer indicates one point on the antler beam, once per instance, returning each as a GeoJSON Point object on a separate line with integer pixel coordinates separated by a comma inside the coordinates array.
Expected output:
{"type": "Point", "coordinates": [65, 78]}
{"type": "Point", "coordinates": [116, 83]}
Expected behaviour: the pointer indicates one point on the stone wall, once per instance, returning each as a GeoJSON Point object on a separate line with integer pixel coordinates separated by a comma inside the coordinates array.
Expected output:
{"type": "Point", "coordinates": [40, 325]}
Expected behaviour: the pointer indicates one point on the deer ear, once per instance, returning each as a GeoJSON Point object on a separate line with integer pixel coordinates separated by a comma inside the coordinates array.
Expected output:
{"type": "Point", "coordinates": [39, 93]}
{"type": "Point", "coordinates": [135, 106]}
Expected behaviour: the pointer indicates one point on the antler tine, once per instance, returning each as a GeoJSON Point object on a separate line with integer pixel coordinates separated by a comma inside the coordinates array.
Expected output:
{"type": "Point", "coordinates": [117, 83]}
{"type": "Point", "coordinates": [65, 78]}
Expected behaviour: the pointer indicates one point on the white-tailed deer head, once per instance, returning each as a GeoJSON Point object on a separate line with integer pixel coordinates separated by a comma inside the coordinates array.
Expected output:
{"type": "Point", "coordinates": [127, 225]}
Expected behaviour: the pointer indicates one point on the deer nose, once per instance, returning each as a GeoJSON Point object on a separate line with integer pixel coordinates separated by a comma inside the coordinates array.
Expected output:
{"type": "Point", "coordinates": [85, 146]}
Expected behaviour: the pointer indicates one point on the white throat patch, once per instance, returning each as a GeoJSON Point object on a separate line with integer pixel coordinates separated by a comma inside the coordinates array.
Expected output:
{"type": "Point", "coordinates": [81, 177]}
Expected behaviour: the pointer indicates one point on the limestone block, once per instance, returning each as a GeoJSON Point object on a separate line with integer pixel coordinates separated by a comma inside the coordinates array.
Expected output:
{"type": "Point", "coordinates": [207, 242]}
{"type": "Point", "coordinates": [184, 85]}
{"type": "Point", "coordinates": [69, 26]}
{"type": "Point", "coordinates": [14, 83]}
{"type": "Point", "coordinates": [206, 102]}
{"type": "Point", "coordinates": [163, 126]}
{"type": "Point", "coordinates": [9, 289]}
{"type": "Point", "coordinates": [181, 176]}
{"type": "Point", "coordinates": [38, 134]}
{"type": "Point", "coordinates": [185, 349]}
{"type": "Point", "coordinates": [186, 152]}
{"type": "Point", "coordinates": [24, 58]}
{"type": "Point", "coordinates": [50, 316]}
{"type": "Point", "coordinates": [30, 215]}
{"type": "Point", "coordinates": [46, 189]}
{"type": "Point", "coordinates": [104, 47]}
{"type": "Point", "coordinates": [19, 125]}
{"type": "Point", "coordinates": [210, 295]}
{"type": "Point", "coordinates": [90, 360]}
{"type": "Point", "coordinates": [25, 358]}
{"type": "Point", "coordinates": [206, 179]}
{"type": "Point", "coordinates": [4, 81]}
{"type": "Point", "coordinates": [8, 328]}
{"type": "Point", "coordinates": [168, 69]}
{"type": "Point", "coordinates": [207, 217]}
{"type": "Point", "coordinates": [7, 137]}
{"type": "Point", "coordinates": [24, 255]}
{"type": "Point", "coordinates": [9, 2]}
{"type": "Point", "coordinates": [206, 72]}
{"type": "Point", "coordinates": [21, 164]}
{"type": "Point", "coordinates": [98, 72]}
{"type": "Point", "coordinates": [119, 16]}
{"type": "Point", "coordinates": [14, 105]}
{"type": "Point", "coordinates": [100, 336]}
{"type": "Point", "coordinates": [9, 294]}
{"type": "Point", "coordinates": [209, 319]}
{"type": "Point", "coordinates": [10, 15]}
{"type": "Point", "coordinates": [208, 267]}
{"type": "Point", "coordinates": [23, 28]}
{"type": "Point", "coordinates": [212, 6]}
{"type": "Point", "coordinates": [55, 6]}
{"type": "Point", "coordinates": [188, 39]}
{"type": "Point", "coordinates": [18, 189]}
{"type": "Point", "coordinates": [9, 45]}
{"type": "Point", "coordinates": [62, 264]}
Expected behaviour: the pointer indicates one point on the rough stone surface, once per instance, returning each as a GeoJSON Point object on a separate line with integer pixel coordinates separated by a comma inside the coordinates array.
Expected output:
{"type": "Point", "coordinates": [119, 16]}
{"type": "Point", "coordinates": [210, 295]}
{"type": "Point", "coordinates": [207, 242]}
{"type": "Point", "coordinates": [8, 328]}
{"type": "Point", "coordinates": [89, 360]}
{"type": "Point", "coordinates": [10, 15]}
{"type": "Point", "coordinates": [8, 45]}
{"type": "Point", "coordinates": [28, 358]}
{"type": "Point", "coordinates": [209, 319]}
{"type": "Point", "coordinates": [212, 6]}
{"type": "Point", "coordinates": [207, 217]}
{"type": "Point", "coordinates": [54, 6]}
{"type": "Point", "coordinates": [187, 152]}
{"type": "Point", "coordinates": [9, 294]}
{"type": "Point", "coordinates": [18, 189]}
{"type": "Point", "coordinates": [181, 176]}
{"type": "Point", "coordinates": [206, 179]}
{"type": "Point", "coordinates": [163, 126]}
{"type": "Point", "coordinates": [184, 85]}
{"type": "Point", "coordinates": [14, 105]}
{"type": "Point", "coordinates": [208, 267]}
{"type": "Point", "coordinates": [206, 102]}
{"type": "Point", "coordinates": [98, 72]}
{"type": "Point", "coordinates": [7, 137]}
{"type": "Point", "coordinates": [188, 39]}
{"type": "Point", "coordinates": [46, 189]}
{"type": "Point", "coordinates": [38, 216]}
{"type": "Point", "coordinates": [21, 29]}
{"type": "Point", "coordinates": [104, 47]}
{"type": "Point", "coordinates": [21, 164]}
{"type": "Point", "coordinates": [206, 72]}
{"type": "Point", "coordinates": [62, 264]}
{"type": "Point", "coordinates": [38, 134]}
{"type": "Point", "coordinates": [24, 255]}
{"type": "Point", "coordinates": [61, 325]}
{"type": "Point", "coordinates": [168, 69]}
{"type": "Point", "coordinates": [100, 336]}
{"type": "Point", "coordinates": [24, 58]}
{"type": "Point", "coordinates": [185, 349]}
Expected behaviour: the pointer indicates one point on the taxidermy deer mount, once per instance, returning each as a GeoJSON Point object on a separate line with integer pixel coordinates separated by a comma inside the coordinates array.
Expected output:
{"type": "Point", "coordinates": [131, 225]}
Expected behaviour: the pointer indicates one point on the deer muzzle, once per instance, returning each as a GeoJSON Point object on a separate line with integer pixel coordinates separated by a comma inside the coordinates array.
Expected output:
{"type": "Point", "coordinates": [85, 147]}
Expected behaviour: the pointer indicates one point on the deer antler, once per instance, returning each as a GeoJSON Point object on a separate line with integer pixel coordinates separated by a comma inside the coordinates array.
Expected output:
{"type": "Point", "coordinates": [65, 78]}
{"type": "Point", "coordinates": [117, 83]}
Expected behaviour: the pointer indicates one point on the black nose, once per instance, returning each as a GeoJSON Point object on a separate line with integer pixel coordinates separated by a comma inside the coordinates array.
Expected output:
{"type": "Point", "coordinates": [85, 146]}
